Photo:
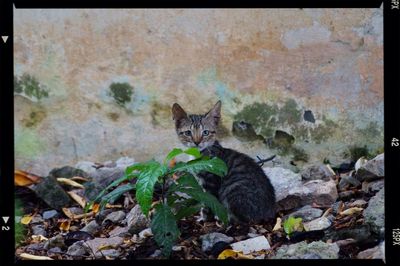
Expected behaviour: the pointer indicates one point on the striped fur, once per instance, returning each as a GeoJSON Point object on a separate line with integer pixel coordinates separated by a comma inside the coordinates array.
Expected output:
{"type": "Point", "coordinates": [245, 191]}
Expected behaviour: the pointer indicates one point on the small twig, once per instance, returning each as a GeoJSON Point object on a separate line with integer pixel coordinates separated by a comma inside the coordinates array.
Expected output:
{"type": "Point", "coordinates": [262, 161]}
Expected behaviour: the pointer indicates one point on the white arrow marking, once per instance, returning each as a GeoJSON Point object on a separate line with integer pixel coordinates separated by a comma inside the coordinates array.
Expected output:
{"type": "Point", "coordinates": [5, 219]}
{"type": "Point", "coordinates": [4, 38]}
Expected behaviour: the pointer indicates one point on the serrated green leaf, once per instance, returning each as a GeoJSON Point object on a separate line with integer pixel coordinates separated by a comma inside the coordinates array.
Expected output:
{"type": "Point", "coordinates": [188, 181]}
{"type": "Point", "coordinates": [139, 167]}
{"type": "Point", "coordinates": [187, 211]}
{"type": "Point", "coordinates": [116, 193]}
{"type": "Point", "coordinates": [208, 200]}
{"type": "Point", "coordinates": [175, 152]}
{"type": "Point", "coordinates": [292, 224]}
{"type": "Point", "coordinates": [194, 152]}
{"type": "Point", "coordinates": [113, 184]}
{"type": "Point", "coordinates": [214, 165]}
{"type": "Point", "coordinates": [145, 184]}
{"type": "Point", "coordinates": [164, 227]}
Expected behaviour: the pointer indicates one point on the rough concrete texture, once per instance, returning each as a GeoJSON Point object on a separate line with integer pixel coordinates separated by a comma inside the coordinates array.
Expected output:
{"type": "Point", "coordinates": [95, 85]}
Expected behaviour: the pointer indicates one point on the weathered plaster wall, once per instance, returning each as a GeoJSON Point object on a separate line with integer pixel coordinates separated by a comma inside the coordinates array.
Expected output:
{"type": "Point", "coordinates": [98, 84]}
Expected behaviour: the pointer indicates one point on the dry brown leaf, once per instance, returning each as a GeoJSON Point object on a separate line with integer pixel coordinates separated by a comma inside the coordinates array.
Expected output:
{"type": "Point", "coordinates": [96, 207]}
{"type": "Point", "coordinates": [233, 254]}
{"type": "Point", "coordinates": [33, 257]}
{"type": "Point", "coordinates": [26, 219]}
{"type": "Point", "coordinates": [278, 224]}
{"type": "Point", "coordinates": [23, 179]}
{"type": "Point", "coordinates": [351, 211]}
{"type": "Point", "coordinates": [38, 238]}
{"type": "Point", "coordinates": [110, 206]}
{"type": "Point", "coordinates": [79, 178]}
{"type": "Point", "coordinates": [69, 182]}
{"type": "Point", "coordinates": [68, 213]}
{"type": "Point", "coordinates": [64, 226]}
{"type": "Point", "coordinates": [80, 200]}
{"type": "Point", "coordinates": [84, 215]}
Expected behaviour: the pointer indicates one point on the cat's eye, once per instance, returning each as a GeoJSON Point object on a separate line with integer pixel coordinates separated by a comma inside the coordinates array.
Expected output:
{"type": "Point", "coordinates": [206, 133]}
{"type": "Point", "coordinates": [187, 133]}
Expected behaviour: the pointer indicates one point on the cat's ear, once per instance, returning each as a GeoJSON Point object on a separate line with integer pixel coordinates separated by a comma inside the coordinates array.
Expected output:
{"type": "Point", "coordinates": [178, 113]}
{"type": "Point", "coordinates": [215, 113]}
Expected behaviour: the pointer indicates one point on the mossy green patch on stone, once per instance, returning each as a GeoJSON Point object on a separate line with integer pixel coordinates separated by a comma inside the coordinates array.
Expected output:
{"type": "Point", "coordinates": [29, 86]}
{"type": "Point", "coordinates": [35, 117]}
{"type": "Point", "coordinates": [121, 92]}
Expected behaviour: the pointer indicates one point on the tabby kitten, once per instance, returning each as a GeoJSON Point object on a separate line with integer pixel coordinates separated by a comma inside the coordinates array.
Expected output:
{"type": "Point", "coordinates": [245, 191]}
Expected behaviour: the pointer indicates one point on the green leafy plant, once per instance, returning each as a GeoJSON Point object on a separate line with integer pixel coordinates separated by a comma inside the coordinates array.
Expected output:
{"type": "Point", "coordinates": [292, 224]}
{"type": "Point", "coordinates": [179, 198]}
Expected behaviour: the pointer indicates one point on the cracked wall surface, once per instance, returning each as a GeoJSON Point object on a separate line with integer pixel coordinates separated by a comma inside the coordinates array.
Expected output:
{"type": "Point", "coordinates": [98, 84]}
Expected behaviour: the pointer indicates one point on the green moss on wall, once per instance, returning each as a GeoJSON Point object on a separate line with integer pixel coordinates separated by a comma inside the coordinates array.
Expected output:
{"type": "Point", "coordinates": [113, 116]}
{"type": "Point", "coordinates": [261, 116]}
{"type": "Point", "coordinates": [289, 113]}
{"type": "Point", "coordinates": [29, 85]}
{"type": "Point", "coordinates": [121, 92]}
{"type": "Point", "coordinates": [35, 117]}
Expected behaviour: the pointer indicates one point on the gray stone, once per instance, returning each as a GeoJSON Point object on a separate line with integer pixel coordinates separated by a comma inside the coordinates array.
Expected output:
{"type": "Point", "coordinates": [316, 250]}
{"type": "Point", "coordinates": [358, 203]}
{"type": "Point", "coordinates": [346, 181]}
{"type": "Point", "coordinates": [54, 251]}
{"type": "Point", "coordinates": [50, 214]}
{"type": "Point", "coordinates": [52, 193]}
{"type": "Point", "coordinates": [38, 229]}
{"type": "Point", "coordinates": [374, 214]}
{"type": "Point", "coordinates": [307, 213]}
{"type": "Point", "coordinates": [35, 247]}
{"type": "Point", "coordinates": [56, 241]}
{"type": "Point", "coordinates": [145, 233]}
{"type": "Point", "coordinates": [317, 172]}
{"type": "Point", "coordinates": [100, 179]}
{"type": "Point", "coordinates": [124, 162]}
{"type": "Point", "coordinates": [371, 170]}
{"type": "Point", "coordinates": [119, 231]}
{"type": "Point", "coordinates": [115, 217]}
{"type": "Point", "coordinates": [67, 172]}
{"type": "Point", "coordinates": [37, 219]}
{"type": "Point", "coordinates": [136, 221]}
{"type": "Point", "coordinates": [335, 207]}
{"type": "Point", "coordinates": [209, 240]}
{"type": "Point", "coordinates": [111, 253]}
{"type": "Point", "coordinates": [360, 234]}
{"type": "Point", "coordinates": [291, 192]}
{"type": "Point", "coordinates": [317, 224]}
{"type": "Point", "coordinates": [377, 252]}
{"type": "Point", "coordinates": [251, 245]}
{"type": "Point", "coordinates": [93, 245]}
{"type": "Point", "coordinates": [77, 249]}
{"type": "Point", "coordinates": [373, 186]}
{"type": "Point", "coordinates": [87, 167]}
{"type": "Point", "coordinates": [92, 227]}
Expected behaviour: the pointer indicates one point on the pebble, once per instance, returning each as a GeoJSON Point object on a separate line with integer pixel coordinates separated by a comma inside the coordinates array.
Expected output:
{"type": "Point", "coordinates": [209, 240]}
{"type": "Point", "coordinates": [50, 214]}
{"type": "Point", "coordinates": [251, 245]}
{"type": "Point", "coordinates": [317, 224]}
{"type": "Point", "coordinates": [114, 217]}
